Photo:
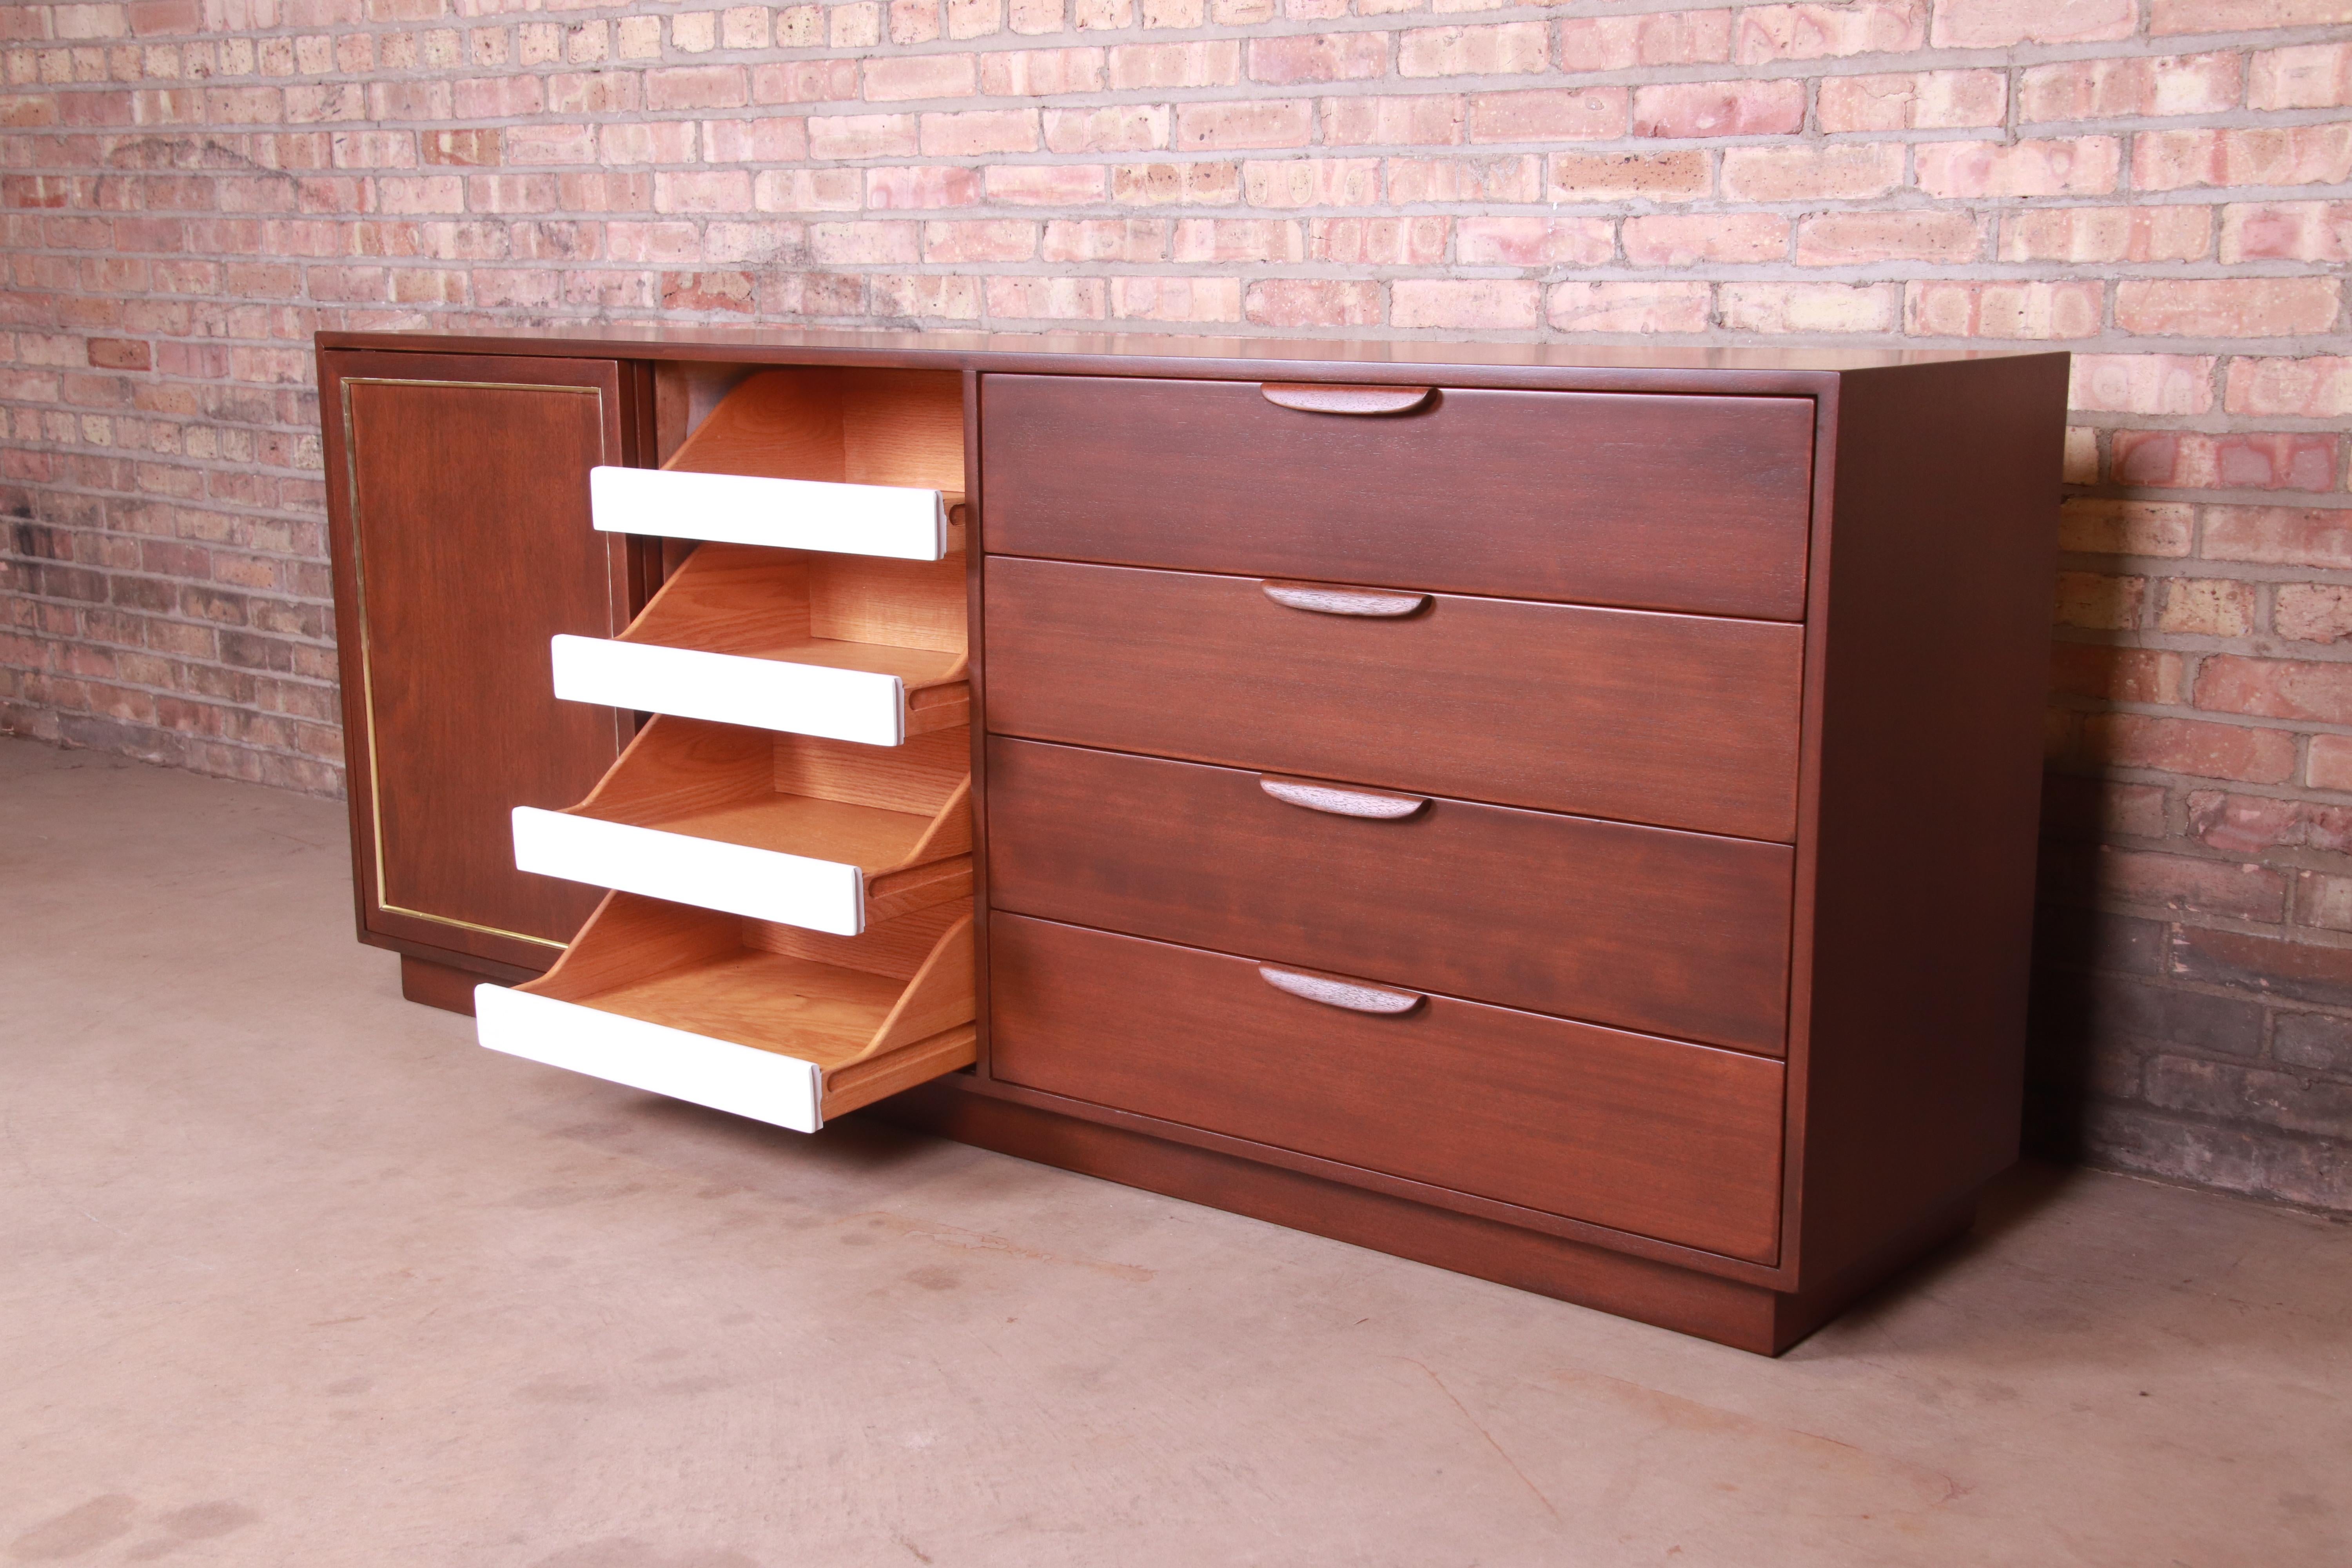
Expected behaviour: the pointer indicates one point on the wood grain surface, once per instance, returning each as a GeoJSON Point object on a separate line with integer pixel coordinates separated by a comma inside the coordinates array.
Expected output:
{"type": "Point", "coordinates": [1675, 1142]}
{"type": "Point", "coordinates": [1671, 934]}
{"type": "Point", "coordinates": [463, 543]}
{"type": "Point", "coordinates": [1681, 503]}
{"type": "Point", "coordinates": [1678, 721]}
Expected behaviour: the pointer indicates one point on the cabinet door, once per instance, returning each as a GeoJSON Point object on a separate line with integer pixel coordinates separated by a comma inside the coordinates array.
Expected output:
{"type": "Point", "coordinates": [458, 502]}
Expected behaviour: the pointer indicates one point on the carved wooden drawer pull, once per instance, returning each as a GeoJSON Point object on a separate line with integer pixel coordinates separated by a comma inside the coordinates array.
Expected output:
{"type": "Point", "coordinates": [1340, 802]}
{"type": "Point", "coordinates": [1352, 994]}
{"type": "Point", "coordinates": [1325, 600]}
{"type": "Point", "coordinates": [1321, 397]}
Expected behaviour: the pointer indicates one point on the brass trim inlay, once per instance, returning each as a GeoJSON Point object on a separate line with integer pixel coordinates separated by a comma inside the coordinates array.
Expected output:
{"type": "Point", "coordinates": [367, 647]}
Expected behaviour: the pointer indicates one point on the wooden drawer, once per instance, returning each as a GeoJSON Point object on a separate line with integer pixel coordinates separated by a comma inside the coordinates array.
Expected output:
{"type": "Point", "coordinates": [853, 648]}
{"type": "Point", "coordinates": [1679, 721]}
{"type": "Point", "coordinates": [1657, 501]}
{"type": "Point", "coordinates": [1672, 934]}
{"type": "Point", "coordinates": [784, 1025]}
{"type": "Point", "coordinates": [867, 462]}
{"type": "Point", "coordinates": [1675, 1142]}
{"type": "Point", "coordinates": [823, 834]}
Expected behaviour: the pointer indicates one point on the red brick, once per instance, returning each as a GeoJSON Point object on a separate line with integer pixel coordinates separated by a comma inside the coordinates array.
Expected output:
{"type": "Point", "coordinates": [1765, 108]}
{"type": "Point", "coordinates": [1590, 114]}
{"type": "Point", "coordinates": [2115, 88]}
{"type": "Point", "coordinates": [1998, 24]}
{"type": "Point", "coordinates": [1275, 123]}
{"type": "Point", "coordinates": [2169, 16]}
{"type": "Point", "coordinates": [1215, 63]}
{"type": "Point", "coordinates": [2195, 460]}
{"type": "Point", "coordinates": [2250, 824]}
{"type": "Point", "coordinates": [1655, 38]}
{"type": "Point", "coordinates": [1389, 119]}
{"type": "Point", "coordinates": [1863, 239]}
{"type": "Point", "coordinates": [977, 133]}
{"type": "Point", "coordinates": [2190, 746]}
{"type": "Point", "coordinates": [2007, 309]}
{"type": "Point", "coordinates": [2275, 689]}
{"type": "Point", "coordinates": [1843, 171]}
{"type": "Point", "coordinates": [1204, 239]}
{"type": "Point", "coordinates": [804, 81]}
{"type": "Point", "coordinates": [1311, 183]}
{"type": "Point", "coordinates": [1044, 185]}
{"type": "Point", "coordinates": [1627, 176]}
{"type": "Point", "coordinates": [2319, 387]}
{"type": "Point", "coordinates": [1811, 32]}
{"type": "Point", "coordinates": [1117, 128]}
{"type": "Point", "coordinates": [2310, 76]}
{"type": "Point", "coordinates": [120, 353]}
{"type": "Point", "coordinates": [2279, 535]}
{"type": "Point", "coordinates": [1507, 177]}
{"type": "Point", "coordinates": [2143, 383]}
{"type": "Point", "coordinates": [834, 136]}
{"type": "Point", "coordinates": [697, 87]}
{"type": "Point", "coordinates": [1312, 302]}
{"type": "Point", "coordinates": [1217, 184]}
{"type": "Point", "coordinates": [1502, 50]}
{"type": "Point", "coordinates": [2113, 674]}
{"type": "Point", "coordinates": [2228, 307]}
{"type": "Point", "coordinates": [1176, 299]}
{"type": "Point", "coordinates": [905, 186]}
{"type": "Point", "coordinates": [2098, 601]}
{"type": "Point", "coordinates": [1318, 56]}
{"type": "Point", "coordinates": [1483, 304]}
{"type": "Point", "coordinates": [1106, 239]}
{"type": "Point", "coordinates": [1628, 307]}
{"type": "Point", "coordinates": [1921, 101]}
{"type": "Point", "coordinates": [1041, 73]}
{"type": "Point", "coordinates": [1378, 241]}
{"type": "Point", "coordinates": [1533, 242]}
{"type": "Point", "coordinates": [2330, 763]}
{"type": "Point", "coordinates": [1046, 298]}
{"type": "Point", "coordinates": [2254, 155]}
{"type": "Point", "coordinates": [2093, 525]}
{"type": "Point", "coordinates": [2287, 231]}
{"type": "Point", "coordinates": [1682, 240]}
{"type": "Point", "coordinates": [990, 239]}
{"type": "Point", "coordinates": [899, 77]}
{"type": "Point", "coordinates": [2078, 166]}
{"type": "Point", "coordinates": [2181, 233]}
{"type": "Point", "coordinates": [1778, 308]}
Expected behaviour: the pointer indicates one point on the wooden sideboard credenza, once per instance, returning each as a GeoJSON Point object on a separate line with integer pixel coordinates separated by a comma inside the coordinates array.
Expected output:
{"type": "Point", "coordinates": [1562, 815]}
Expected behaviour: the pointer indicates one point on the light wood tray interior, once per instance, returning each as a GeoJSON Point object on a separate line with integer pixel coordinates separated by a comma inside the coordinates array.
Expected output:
{"type": "Point", "coordinates": [848, 611]}
{"type": "Point", "coordinates": [875, 1012]}
{"type": "Point", "coordinates": [848, 427]}
{"type": "Point", "coordinates": [901, 814]}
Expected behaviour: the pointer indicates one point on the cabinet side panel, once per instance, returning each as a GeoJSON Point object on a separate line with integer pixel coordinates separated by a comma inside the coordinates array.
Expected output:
{"type": "Point", "coordinates": [464, 545]}
{"type": "Point", "coordinates": [1942, 553]}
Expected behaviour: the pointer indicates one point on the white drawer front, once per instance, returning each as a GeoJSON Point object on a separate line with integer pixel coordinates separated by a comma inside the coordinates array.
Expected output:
{"type": "Point", "coordinates": [788, 514]}
{"type": "Point", "coordinates": [765, 884]}
{"type": "Point", "coordinates": [763, 693]}
{"type": "Point", "coordinates": [782, 1091]}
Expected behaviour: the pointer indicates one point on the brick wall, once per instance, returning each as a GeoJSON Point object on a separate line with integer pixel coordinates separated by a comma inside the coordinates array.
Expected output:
{"type": "Point", "coordinates": [191, 187]}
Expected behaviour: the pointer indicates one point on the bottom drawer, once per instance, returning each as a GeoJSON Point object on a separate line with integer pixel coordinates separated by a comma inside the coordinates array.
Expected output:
{"type": "Point", "coordinates": [1675, 1142]}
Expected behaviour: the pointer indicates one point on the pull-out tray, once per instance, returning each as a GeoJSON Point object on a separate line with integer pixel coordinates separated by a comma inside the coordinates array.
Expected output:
{"type": "Point", "coordinates": [827, 834]}
{"type": "Point", "coordinates": [853, 648]}
{"type": "Point", "coordinates": [869, 462]}
{"type": "Point", "coordinates": [783, 1026]}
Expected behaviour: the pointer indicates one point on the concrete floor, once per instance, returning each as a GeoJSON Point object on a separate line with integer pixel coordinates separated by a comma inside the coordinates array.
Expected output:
{"type": "Point", "coordinates": [295, 1275]}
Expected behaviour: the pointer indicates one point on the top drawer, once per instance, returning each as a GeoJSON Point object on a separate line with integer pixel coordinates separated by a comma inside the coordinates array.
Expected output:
{"type": "Point", "coordinates": [1651, 502]}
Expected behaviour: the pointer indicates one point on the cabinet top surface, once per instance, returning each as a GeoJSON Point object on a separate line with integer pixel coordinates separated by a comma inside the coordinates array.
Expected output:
{"type": "Point", "coordinates": [1118, 353]}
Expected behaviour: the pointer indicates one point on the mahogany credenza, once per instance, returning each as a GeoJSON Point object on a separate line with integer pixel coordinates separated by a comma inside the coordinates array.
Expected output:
{"type": "Point", "coordinates": [1562, 815]}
